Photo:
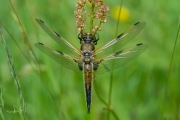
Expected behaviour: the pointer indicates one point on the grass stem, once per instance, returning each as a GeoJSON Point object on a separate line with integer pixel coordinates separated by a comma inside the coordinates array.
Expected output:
{"type": "Point", "coordinates": [2, 104]}
{"type": "Point", "coordinates": [11, 66]}
{"type": "Point", "coordinates": [170, 66]}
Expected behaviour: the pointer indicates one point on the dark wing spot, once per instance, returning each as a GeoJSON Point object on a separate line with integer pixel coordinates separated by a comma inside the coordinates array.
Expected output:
{"type": "Point", "coordinates": [60, 52]}
{"type": "Point", "coordinates": [139, 44]}
{"type": "Point", "coordinates": [41, 43]}
{"type": "Point", "coordinates": [119, 36]}
{"type": "Point", "coordinates": [75, 60]}
{"type": "Point", "coordinates": [57, 34]}
{"type": "Point", "coordinates": [41, 21]}
{"type": "Point", "coordinates": [137, 23]}
{"type": "Point", "coordinates": [117, 53]}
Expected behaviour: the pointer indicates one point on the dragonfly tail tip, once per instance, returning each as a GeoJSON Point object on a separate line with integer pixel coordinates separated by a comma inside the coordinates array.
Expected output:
{"type": "Point", "coordinates": [88, 111]}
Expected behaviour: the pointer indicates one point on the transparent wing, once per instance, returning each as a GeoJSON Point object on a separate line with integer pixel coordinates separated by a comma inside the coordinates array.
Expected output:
{"type": "Point", "coordinates": [61, 41]}
{"type": "Point", "coordinates": [115, 44]}
{"type": "Point", "coordinates": [119, 58]}
{"type": "Point", "coordinates": [63, 59]}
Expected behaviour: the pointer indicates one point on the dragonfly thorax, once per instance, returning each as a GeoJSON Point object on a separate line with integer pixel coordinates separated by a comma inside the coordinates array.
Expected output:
{"type": "Point", "coordinates": [87, 57]}
{"type": "Point", "coordinates": [86, 52]}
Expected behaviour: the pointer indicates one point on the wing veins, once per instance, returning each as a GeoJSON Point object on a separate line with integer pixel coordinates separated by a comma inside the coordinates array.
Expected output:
{"type": "Point", "coordinates": [64, 59]}
{"type": "Point", "coordinates": [119, 58]}
{"type": "Point", "coordinates": [55, 36]}
{"type": "Point", "coordinates": [121, 39]}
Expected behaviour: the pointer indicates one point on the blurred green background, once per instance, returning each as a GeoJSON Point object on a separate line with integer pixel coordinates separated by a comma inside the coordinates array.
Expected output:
{"type": "Point", "coordinates": [138, 88]}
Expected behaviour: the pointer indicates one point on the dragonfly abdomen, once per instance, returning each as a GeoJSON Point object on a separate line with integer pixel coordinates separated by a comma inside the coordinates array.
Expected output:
{"type": "Point", "coordinates": [88, 83]}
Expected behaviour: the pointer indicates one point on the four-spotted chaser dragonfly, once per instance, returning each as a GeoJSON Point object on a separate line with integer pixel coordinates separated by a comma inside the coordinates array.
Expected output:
{"type": "Point", "coordinates": [91, 61]}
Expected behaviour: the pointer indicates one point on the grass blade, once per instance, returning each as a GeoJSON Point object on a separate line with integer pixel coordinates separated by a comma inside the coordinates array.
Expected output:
{"type": "Point", "coordinates": [104, 102]}
{"type": "Point", "coordinates": [2, 104]}
{"type": "Point", "coordinates": [170, 66]}
{"type": "Point", "coordinates": [96, 91]}
{"type": "Point", "coordinates": [21, 51]}
{"type": "Point", "coordinates": [23, 33]}
{"type": "Point", "coordinates": [32, 55]}
{"type": "Point", "coordinates": [11, 66]}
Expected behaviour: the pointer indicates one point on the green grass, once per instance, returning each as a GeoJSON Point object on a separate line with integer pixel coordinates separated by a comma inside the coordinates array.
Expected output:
{"type": "Point", "coordinates": [138, 88]}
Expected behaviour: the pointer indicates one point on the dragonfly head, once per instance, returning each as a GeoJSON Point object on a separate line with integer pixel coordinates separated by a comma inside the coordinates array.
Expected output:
{"type": "Point", "coordinates": [88, 38]}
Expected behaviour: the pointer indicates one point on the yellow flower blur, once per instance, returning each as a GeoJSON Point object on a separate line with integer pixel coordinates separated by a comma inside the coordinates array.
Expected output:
{"type": "Point", "coordinates": [124, 15]}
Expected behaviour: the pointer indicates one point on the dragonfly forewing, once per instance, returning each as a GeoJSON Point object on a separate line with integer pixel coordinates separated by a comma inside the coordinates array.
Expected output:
{"type": "Point", "coordinates": [60, 40]}
{"type": "Point", "coordinates": [122, 39]}
{"type": "Point", "coordinates": [119, 59]}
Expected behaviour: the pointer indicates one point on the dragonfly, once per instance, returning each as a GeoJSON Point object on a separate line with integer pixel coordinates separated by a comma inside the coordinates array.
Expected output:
{"type": "Point", "coordinates": [91, 62]}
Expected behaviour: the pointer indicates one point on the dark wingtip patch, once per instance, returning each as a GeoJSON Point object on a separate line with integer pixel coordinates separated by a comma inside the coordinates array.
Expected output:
{"type": "Point", "coordinates": [59, 52]}
{"type": "Point", "coordinates": [57, 34]}
{"type": "Point", "coordinates": [41, 21]}
{"type": "Point", "coordinates": [119, 36]}
{"type": "Point", "coordinates": [139, 44]}
{"type": "Point", "coordinates": [41, 43]}
{"type": "Point", "coordinates": [137, 23]}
